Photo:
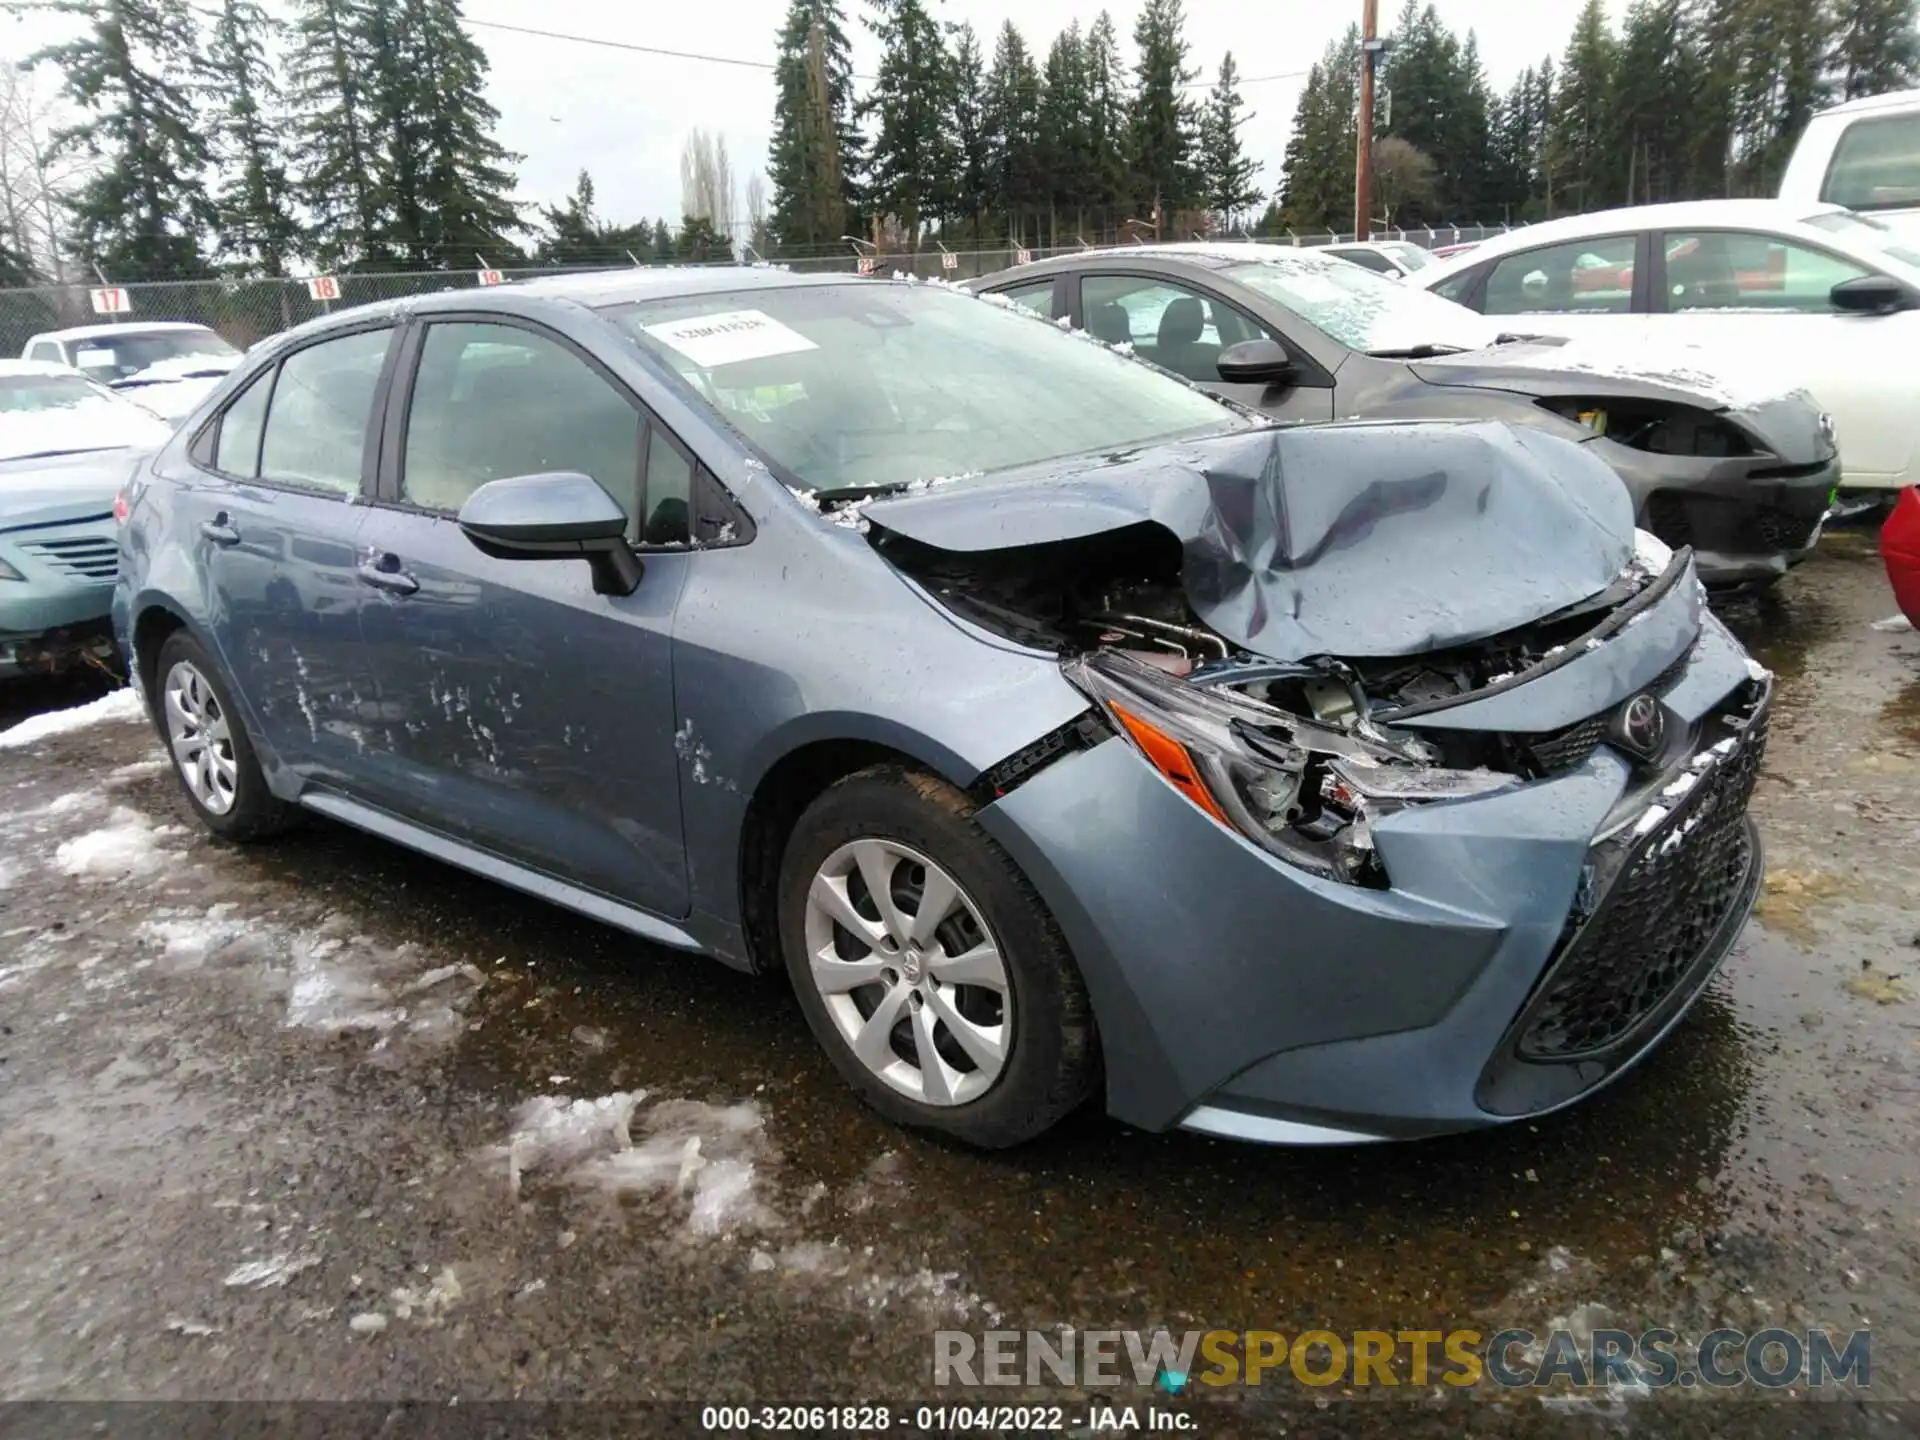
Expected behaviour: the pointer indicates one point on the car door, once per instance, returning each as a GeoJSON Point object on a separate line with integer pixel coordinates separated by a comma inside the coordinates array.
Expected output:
{"type": "Point", "coordinates": [273, 515]}
{"type": "Point", "coordinates": [522, 712]}
{"type": "Point", "coordinates": [1183, 328]}
{"type": "Point", "coordinates": [1766, 298]}
{"type": "Point", "coordinates": [1578, 288]}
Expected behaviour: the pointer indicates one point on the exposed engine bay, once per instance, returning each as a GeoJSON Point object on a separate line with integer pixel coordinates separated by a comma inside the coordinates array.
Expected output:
{"type": "Point", "coordinates": [1296, 754]}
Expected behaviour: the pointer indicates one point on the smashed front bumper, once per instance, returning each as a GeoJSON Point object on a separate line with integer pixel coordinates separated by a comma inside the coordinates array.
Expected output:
{"type": "Point", "coordinates": [1533, 942]}
{"type": "Point", "coordinates": [1744, 528]}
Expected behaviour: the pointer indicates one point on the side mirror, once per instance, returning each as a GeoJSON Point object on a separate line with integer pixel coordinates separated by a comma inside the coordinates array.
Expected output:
{"type": "Point", "coordinates": [1869, 295]}
{"type": "Point", "coordinates": [1256, 362]}
{"type": "Point", "coordinates": [554, 517]}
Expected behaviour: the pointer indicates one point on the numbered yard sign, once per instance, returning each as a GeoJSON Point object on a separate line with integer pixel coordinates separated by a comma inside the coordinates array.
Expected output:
{"type": "Point", "coordinates": [949, 260]}
{"type": "Point", "coordinates": [324, 287]}
{"type": "Point", "coordinates": [111, 300]}
{"type": "Point", "coordinates": [865, 265]}
{"type": "Point", "coordinates": [1023, 257]}
{"type": "Point", "coordinates": [490, 277]}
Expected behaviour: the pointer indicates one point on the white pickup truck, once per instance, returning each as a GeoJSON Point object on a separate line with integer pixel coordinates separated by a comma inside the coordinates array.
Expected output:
{"type": "Point", "coordinates": [1864, 155]}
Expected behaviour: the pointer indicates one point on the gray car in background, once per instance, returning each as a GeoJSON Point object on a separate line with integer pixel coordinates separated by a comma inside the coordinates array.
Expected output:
{"type": "Point", "coordinates": [1056, 729]}
{"type": "Point", "coordinates": [1737, 466]}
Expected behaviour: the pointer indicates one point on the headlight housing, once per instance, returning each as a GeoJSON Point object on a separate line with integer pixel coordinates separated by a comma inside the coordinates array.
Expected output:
{"type": "Point", "coordinates": [7, 572]}
{"type": "Point", "coordinates": [1304, 791]}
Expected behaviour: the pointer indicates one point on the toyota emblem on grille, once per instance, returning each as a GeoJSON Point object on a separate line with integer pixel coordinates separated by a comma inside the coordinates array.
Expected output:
{"type": "Point", "coordinates": [1826, 429]}
{"type": "Point", "coordinates": [1640, 726]}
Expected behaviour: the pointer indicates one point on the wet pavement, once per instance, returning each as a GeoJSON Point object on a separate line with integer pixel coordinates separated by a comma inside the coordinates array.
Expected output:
{"type": "Point", "coordinates": [325, 1119]}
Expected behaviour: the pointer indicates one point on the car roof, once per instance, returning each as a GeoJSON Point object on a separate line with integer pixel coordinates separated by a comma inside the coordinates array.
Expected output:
{"type": "Point", "coordinates": [34, 367]}
{"type": "Point", "coordinates": [1204, 254]}
{"type": "Point", "coordinates": [1893, 100]}
{"type": "Point", "coordinates": [590, 289]}
{"type": "Point", "coordinates": [131, 327]}
{"type": "Point", "coordinates": [1777, 214]}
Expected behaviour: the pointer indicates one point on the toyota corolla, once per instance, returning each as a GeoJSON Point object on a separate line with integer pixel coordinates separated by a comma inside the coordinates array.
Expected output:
{"type": "Point", "coordinates": [1057, 729]}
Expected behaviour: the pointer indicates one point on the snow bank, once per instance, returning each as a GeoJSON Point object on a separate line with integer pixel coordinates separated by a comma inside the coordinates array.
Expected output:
{"type": "Point", "coordinates": [127, 845]}
{"type": "Point", "coordinates": [122, 704]}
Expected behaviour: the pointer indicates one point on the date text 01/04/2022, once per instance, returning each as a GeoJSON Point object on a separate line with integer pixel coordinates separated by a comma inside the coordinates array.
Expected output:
{"type": "Point", "coordinates": [939, 1419]}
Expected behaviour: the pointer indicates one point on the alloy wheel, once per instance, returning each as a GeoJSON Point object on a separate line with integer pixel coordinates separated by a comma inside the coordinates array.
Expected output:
{"type": "Point", "coordinates": [200, 737]}
{"type": "Point", "coordinates": [909, 973]}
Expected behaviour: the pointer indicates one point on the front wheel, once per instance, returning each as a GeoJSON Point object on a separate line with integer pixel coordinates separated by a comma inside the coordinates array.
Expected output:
{"type": "Point", "coordinates": [213, 756]}
{"type": "Point", "coordinates": [927, 965]}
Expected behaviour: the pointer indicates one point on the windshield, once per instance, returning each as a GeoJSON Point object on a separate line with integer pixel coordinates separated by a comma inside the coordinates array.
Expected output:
{"type": "Point", "coordinates": [1362, 310]}
{"type": "Point", "coordinates": [65, 414]}
{"type": "Point", "coordinates": [153, 356]}
{"type": "Point", "coordinates": [1866, 234]}
{"type": "Point", "coordinates": [872, 383]}
{"type": "Point", "coordinates": [1408, 254]}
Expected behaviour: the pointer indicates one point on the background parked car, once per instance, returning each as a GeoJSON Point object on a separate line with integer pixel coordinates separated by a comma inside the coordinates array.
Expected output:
{"type": "Point", "coordinates": [1814, 293]}
{"type": "Point", "coordinates": [1738, 468]}
{"type": "Point", "coordinates": [981, 679]}
{"type": "Point", "coordinates": [1864, 155]}
{"type": "Point", "coordinates": [1900, 548]}
{"type": "Point", "coordinates": [167, 366]}
{"type": "Point", "coordinates": [67, 445]}
{"type": "Point", "coordinates": [1396, 259]}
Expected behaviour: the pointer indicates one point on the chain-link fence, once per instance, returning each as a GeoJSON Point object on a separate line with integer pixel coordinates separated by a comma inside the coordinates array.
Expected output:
{"type": "Point", "coordinates": [245, 311]}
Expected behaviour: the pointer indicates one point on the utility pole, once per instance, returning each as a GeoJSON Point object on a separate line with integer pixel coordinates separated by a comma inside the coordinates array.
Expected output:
{"type": "Point", "coordinates": [1370, 48]}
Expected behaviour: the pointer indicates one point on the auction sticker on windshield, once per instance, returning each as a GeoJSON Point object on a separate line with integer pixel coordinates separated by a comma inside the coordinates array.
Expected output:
{"type": "Point", "coordinates": [732, 335]}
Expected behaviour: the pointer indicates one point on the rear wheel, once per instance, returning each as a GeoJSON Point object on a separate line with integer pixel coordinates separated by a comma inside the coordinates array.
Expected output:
{"type": "Point", "coordinates": [212, 754]}
{"type": "Point", "coordinates": [928, 967]}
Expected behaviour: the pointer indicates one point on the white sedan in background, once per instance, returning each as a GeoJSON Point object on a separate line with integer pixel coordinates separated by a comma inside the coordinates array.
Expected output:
{"type": "Point", "coordinates": [166, 366]}
{"type": "Point", "coordinates": [1817, 294]}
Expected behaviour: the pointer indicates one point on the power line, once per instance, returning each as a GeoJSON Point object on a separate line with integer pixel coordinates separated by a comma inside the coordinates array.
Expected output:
{"type": "Point", "coordinates": [628, 45]}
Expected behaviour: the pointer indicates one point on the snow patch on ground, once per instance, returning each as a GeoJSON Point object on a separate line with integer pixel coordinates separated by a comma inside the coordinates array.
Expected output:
{"type": "Point", "coordinates": [709, 1167]}
{"type": "Point", "coordinates": [1892, 625]}
{"type": "Point", "coordinates": [138, 770]}
{"type": "Point", "coordinates": [122, 704]}
{"type": "Point", "coordinates": [190, 938]}
{"type": "Point", "coordinates": [127, 846]}
{"type": "Point", "coordinates": [270, 1273]}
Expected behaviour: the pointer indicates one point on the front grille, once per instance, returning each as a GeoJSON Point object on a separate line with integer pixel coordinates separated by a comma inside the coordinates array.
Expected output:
{"type": "Point", "coordinates": [1669, 518]}
{"type": "Point", "coordinates": [1780, 531]}
{"type": "Point", "coordinates": [1563, 749]}
{"type": "Point", "coordinates": [91, 557]}
{"type": "Point", "coordinates": [1674, 888]}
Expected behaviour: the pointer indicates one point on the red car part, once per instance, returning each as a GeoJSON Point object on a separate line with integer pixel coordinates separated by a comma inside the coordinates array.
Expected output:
{"type": "Point", "coordinates": [1900, 548]}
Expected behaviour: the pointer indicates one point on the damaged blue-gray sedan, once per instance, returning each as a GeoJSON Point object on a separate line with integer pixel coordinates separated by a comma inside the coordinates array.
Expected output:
{"type": "Point", "coordinates": [1056, 728]}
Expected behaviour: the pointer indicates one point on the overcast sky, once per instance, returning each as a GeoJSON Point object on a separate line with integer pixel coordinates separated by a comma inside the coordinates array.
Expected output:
{"type": "Point", "coordinates": [624, 116]}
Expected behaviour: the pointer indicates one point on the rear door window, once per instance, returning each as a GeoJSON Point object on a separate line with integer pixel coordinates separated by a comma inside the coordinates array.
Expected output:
{"type": "Point", "coordinates": [316, 428]}
{"type": "Point", "coordinates": [1582, 277]}
{"type": "Point", "coordinates": [1876, 165]}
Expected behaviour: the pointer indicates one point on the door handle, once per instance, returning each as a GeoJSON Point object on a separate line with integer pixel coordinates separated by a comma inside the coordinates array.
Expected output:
{"type": "Point", "coordinates": [220, 530]}
{"type": "Point", "coordinates": [386, 574]}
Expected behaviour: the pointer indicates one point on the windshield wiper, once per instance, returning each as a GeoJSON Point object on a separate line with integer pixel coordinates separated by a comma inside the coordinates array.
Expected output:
{"type": "Point", "coordinates": [132, 381]}
{"type": "Point", "coordinates": [838, 493]}
{"type": "Point", "coordinates": [1419, 352]}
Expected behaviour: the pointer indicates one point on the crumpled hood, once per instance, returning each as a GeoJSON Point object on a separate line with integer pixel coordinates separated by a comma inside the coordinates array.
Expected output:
{"type": "Point", "coordinates": [1359, 540]}
{"type": "Point", "coordinates": [1616, 365]}
{"type": "Point", "coordinates": [63, 487]}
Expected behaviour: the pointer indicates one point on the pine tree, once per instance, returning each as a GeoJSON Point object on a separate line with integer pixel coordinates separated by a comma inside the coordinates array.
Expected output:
{"type": "Point", "coordinates": [815, 151]}
{"type": "Point", "coordinates": [1227, 172]}
{"type": "Point", "coordinates": [662, 243]}
{"type": "Point", "coordinates": [1013, 130]}
{"type": "Point", "coordinates": [1163, 123]}
{"type": "Point", "coordinates": [1655, 104]}
{"type": "Point", "coordinates": [254, 207]}
{"type": "Point", "coordinates": [332, 153]}
{"type": "Point", "coordinates": [576, 235]}
{"type": "Point", "coordinates": [698, 243]}
{"type": "Point", "coordinates": [142, 213]}
{"type": "Point", "coordinates": [1065, 141]}
{"type": "Point", "coordinates": [1316, 189]}
{"type": "Point", "coordinates": [911, 167]}
{"type": "Point", "coordinates": [1579, 158]}
{"type": "Point", "coordinates": [465, 179]}
{"type": "Point", "coordinates": [1107, 108]}
{"type": "Point", "coordinates": [1875, 48]}
{"type": "Point", "coordinates": [974, 191]}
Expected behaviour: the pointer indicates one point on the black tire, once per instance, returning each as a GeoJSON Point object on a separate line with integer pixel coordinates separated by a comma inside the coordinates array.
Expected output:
{"type": "Point", "coordinates": [256, 812]}
{"type": "Point", "coordinates": [1053, 1063]}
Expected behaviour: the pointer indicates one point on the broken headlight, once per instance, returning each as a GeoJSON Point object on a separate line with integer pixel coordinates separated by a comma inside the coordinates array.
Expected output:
{"type": "Point", "coordinates": [1301, 790]}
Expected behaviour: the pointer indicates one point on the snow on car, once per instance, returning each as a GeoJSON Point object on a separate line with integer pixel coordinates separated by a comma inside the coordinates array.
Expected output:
{"type": "Point", "coordinates": [166, 366]}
